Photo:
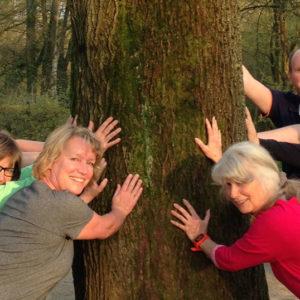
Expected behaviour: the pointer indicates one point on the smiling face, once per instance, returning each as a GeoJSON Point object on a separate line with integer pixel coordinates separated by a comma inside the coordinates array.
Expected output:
{"type": "Point", "coordinates": [5, 162]}
{"type": "Point", "coordinates": [74, 168]}
{"type": "Point", "coordinates": [248, 198]}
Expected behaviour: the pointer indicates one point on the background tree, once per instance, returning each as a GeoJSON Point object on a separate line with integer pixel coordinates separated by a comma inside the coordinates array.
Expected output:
{"type": "Point", "coordinates": [34, 42]}
{"type": "Point", "coordinates": [31, 46]}
{"type": "Point", "coordinates": [160, 67]}
{"type": "Point", "coordinates": [279, 47]}
{"type": "Point", "coordinates": [270, 32]}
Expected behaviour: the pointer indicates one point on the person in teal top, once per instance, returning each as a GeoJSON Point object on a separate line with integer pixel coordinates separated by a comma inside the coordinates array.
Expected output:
{"type": "Point", "coordinates": [11, 187]}
{"type": "Point", "coordinates": [12, 153]}
{"type": "Point", "coordinates": [15, 154]}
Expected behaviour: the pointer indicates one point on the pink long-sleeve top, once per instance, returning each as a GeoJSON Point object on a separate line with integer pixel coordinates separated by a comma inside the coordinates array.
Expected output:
{"type": "Point", "coordinates": [273, 237]}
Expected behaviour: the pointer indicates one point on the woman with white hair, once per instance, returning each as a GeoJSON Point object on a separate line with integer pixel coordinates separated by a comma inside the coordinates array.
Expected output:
{"type": "Point", "coordinates": [251, 181]}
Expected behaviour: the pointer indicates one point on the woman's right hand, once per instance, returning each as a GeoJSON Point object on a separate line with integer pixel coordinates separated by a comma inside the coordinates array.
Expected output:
{"type": "Point", "coordinates": [213, 149]}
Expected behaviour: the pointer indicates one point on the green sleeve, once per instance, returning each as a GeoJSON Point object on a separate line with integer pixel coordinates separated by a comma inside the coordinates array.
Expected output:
{"type": "Point", "coordinates": [26, 172]}
{"type": "Point", "coordinates": [11, 187]}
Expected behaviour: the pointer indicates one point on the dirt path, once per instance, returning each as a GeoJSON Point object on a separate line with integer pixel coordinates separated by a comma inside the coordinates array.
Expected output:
{"type": "Point", "coordinates": [277, 291]}
{"type": "Point", "coordinates": [65, 290]}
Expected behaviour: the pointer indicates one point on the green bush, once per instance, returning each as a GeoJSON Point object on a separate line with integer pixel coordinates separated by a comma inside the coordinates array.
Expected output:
{"type": "Point", "coordinates": [28, 119]}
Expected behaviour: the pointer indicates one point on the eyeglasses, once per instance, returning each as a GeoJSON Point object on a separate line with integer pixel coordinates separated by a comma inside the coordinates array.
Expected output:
{"type": "Point", "coordinates": [8, 172]}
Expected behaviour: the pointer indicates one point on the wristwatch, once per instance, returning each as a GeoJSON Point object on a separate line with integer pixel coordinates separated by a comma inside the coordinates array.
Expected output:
{"type": "Point", "coordinates": [198, 241]}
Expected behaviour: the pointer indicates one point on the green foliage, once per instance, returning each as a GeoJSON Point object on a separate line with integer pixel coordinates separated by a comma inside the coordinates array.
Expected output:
{"type": "Point", "coordinates": [28, 119]}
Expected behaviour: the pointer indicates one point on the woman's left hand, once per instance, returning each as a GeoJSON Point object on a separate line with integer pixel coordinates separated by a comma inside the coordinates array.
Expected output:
{"type": "Point", "coordinates": [106, 132]}
{"type": "Point", "coordinates": [191, 223]}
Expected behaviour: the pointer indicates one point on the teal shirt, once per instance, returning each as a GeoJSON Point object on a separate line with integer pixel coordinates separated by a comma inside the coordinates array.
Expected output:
{"type": "Point", "coordinates": [11, 187]}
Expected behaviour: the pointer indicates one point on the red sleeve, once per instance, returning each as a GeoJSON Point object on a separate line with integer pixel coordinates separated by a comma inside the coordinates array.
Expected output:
{"type": "Point", "coordinates": [257, 246]}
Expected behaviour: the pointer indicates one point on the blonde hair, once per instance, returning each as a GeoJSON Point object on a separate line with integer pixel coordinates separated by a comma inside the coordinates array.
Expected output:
{"type": "Point", "coordinates": [9, 148]}
{"type": "Point", "coordinates": [55, 144]}
{"type": "Point", "coordinates": [245, 161]}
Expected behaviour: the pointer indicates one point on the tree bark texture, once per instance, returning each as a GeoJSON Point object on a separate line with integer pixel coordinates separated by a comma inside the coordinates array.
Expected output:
{"type": "Point", "coordinates": [160, 68]}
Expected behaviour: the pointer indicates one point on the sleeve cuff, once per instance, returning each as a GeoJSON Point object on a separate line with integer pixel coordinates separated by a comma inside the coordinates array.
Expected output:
{"type": "Point", "coordinates": [213, 255]}
{"type": "Point", "coordinates": [266, 115]}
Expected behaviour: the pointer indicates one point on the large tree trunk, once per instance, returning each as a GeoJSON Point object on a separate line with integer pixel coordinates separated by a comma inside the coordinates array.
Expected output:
{"type": "Point", "coordinates": [279, 46]}
{"type": "Point", "coordinates": [160, 68]}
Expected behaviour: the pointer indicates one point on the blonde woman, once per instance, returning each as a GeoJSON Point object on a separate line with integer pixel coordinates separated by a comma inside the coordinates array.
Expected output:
{"type": "Point", "coordinates": [39, 223]}
{"type": "Point", "coordinates": [16, 156]}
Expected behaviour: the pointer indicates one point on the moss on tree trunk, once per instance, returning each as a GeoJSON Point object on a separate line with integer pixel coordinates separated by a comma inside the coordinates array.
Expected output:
{"type": "Point", "coordinates": [160, 68]}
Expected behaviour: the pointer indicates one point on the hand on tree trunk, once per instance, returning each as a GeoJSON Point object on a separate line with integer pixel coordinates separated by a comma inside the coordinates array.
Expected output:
{"type": "Point", "coordinates": [191, 223]}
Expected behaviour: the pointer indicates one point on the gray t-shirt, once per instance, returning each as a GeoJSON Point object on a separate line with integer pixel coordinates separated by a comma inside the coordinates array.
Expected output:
{"type": "Point", "coordinates": [37, 228]}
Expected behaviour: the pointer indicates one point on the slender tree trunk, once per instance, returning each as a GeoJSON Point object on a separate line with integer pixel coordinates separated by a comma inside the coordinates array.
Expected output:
{"type": "Point", "coordinates": [64, 54]}
{"type": "Point", "coordinates": [31, 49]}
{"type": "Point", "coordinates": [160, 68]}
{"type": "Point", "coordinates": [279, 44]}
{"type": "Point", "coordinates": [50, 58]}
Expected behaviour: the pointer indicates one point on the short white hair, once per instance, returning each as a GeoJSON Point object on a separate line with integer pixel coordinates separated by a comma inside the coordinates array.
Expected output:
{"type": "Point", "coordinates": [245, 161]}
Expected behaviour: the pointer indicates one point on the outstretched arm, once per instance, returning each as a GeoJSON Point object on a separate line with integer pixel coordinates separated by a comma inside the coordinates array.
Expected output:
{"type": "Point", "coordinates": [30, 150]}
{"type": "Point", "coordinates": [257, 93]}
{"type": "Point", "coordinates": [28, 158]}
{"type": "Point", "coordinates": [213, 149]}
{"type": "Point", "coordinates": [124, 200]}
{"type": "Point", "coordinates": [285, 152]}
{"type": "Point", "coordinates": [30, 146]}
{"type": "Point", "coordinates": [288, 134]}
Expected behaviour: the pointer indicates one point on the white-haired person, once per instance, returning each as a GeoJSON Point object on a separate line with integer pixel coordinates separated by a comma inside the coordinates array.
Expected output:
{"type": "Point", "coordinates": [39, 223]}
{"type": "Point", "coordinates": [250, 180]}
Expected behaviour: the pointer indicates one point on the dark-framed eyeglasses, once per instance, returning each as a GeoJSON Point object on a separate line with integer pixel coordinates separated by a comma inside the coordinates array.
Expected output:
{"type": "Point", "coordinates": [8, 172]}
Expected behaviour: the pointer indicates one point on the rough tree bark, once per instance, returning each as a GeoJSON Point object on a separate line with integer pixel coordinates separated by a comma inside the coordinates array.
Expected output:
{"type": "Point", "coordinates": [160, 68]}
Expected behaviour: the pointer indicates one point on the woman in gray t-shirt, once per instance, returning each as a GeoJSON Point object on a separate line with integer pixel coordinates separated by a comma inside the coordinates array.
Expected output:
{"type": "Point", "coordinates": [39, 223]}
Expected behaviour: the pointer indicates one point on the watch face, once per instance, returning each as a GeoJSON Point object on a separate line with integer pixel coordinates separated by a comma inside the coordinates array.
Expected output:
{"type": "Point", "coordinates": [199, 237]}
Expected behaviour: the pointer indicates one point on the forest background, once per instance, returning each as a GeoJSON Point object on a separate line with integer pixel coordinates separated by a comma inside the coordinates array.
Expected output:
{"type": "Point", "coordinates": [36, 49]}
{"type": "Point", "coordinates": [36, 55]}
